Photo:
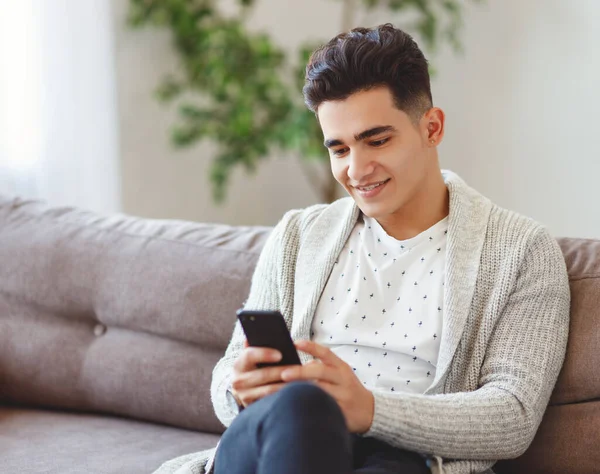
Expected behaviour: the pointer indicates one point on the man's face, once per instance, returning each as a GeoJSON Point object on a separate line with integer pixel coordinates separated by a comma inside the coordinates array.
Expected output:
{"type": "Point", "coordinates": [377, 153]}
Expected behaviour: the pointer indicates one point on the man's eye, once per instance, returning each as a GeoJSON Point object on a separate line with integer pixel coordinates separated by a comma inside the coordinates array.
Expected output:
{"type": "Point", "coordinates": [379, 142]}
{"type": "Point", "coordinates": [339, 151]}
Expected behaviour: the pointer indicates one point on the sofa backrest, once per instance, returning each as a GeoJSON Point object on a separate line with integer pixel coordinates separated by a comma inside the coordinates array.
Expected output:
{"type": "Point", "coordinates": [118, 314]}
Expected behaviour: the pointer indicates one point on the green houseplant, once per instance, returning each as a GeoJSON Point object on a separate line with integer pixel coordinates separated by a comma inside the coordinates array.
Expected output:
{"type": "Point", "coordinates": [239, 90]}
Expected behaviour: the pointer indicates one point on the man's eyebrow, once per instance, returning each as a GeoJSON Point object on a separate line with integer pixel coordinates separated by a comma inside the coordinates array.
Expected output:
{"type": "Point", "coordinates": [332, 142]}
{"type": "Point", "coordinates": [374, 131]}
{"type": "Point", "coordinates": [362, 135]}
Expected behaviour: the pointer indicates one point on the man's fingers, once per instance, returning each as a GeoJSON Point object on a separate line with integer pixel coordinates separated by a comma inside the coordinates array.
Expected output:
{"type": "Point", "coordinates": [316, 371]}
{"type": "Point", "coordinates": [257, 377]}
{"type": "Point", "coordinates": [251, 356]}
{"type": "Point", "coordinates": [249, 396]}
{"type": "Point", "coordinates": [326, 355]}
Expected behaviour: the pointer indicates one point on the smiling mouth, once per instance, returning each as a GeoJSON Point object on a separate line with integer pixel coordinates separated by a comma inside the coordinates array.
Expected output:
{"type": "Point", "coordinates": [371, 186]}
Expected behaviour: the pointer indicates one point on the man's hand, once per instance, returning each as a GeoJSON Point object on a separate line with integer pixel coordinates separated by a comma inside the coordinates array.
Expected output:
{"type": "Point", "coordinates": [250, 383]}
{"type": "Point", "coordinates": [337, 378]}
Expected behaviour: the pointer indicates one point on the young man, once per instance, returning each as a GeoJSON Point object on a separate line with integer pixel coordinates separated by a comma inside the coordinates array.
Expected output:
{"type": "Point", "coordinates": [432, 323]}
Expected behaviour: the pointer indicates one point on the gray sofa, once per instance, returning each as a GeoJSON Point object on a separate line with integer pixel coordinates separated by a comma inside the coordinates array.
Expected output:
{"type": "Point", "coordinates": [110, 327]}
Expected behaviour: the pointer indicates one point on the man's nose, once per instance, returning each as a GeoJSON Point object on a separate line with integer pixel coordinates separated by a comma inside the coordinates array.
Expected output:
{"type": "Point", "coordinates": [359, 167]}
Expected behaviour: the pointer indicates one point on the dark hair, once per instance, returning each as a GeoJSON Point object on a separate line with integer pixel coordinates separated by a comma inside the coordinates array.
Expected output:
{"type": "Point", "coordinates": [365, 58]}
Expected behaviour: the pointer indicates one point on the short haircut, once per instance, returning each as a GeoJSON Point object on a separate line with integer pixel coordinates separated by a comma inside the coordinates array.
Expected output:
{"type": "Point", "coordinates": [366, 58]}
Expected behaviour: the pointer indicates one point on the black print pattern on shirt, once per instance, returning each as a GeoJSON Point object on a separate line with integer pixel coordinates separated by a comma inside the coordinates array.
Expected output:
{"type": "Point", "coordinates": [406, 326]}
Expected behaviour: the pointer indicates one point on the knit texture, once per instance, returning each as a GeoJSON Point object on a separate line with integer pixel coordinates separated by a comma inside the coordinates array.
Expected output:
{"type": "Point", "coordinates": [503, 342]}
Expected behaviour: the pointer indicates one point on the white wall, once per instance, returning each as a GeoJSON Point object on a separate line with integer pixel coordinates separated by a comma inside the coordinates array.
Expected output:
{"type": "Point", "coordinates": [520, 106]}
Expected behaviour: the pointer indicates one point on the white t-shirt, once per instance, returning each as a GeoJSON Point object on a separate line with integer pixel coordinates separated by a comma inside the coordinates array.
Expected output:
{"type": "Point", "coordinates": [381, 310]}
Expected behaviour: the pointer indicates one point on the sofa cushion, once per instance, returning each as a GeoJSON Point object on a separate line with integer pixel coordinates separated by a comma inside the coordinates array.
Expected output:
{"type": "Point", "coordinates": [579, 380]}
{"type": "Point", "coordinates": [118, 314]}
{"type": "Point", "coordinates": [567, 440]}
{"type": "Point", "coordinates": [34, 441]}
{"type": "Point", "coordinates": [566, 443]}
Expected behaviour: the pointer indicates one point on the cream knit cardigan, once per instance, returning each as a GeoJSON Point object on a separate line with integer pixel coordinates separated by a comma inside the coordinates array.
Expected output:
{"type": "Point", "coordinates": [505, 328]}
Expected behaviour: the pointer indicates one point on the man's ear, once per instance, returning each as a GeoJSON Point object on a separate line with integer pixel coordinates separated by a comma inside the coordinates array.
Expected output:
{"type": "Point", "coordinates": [433, 121]}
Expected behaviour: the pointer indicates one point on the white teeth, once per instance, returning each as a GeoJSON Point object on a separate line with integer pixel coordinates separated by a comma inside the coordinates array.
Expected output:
{"type": "Point", "coordinates": [368, 188]}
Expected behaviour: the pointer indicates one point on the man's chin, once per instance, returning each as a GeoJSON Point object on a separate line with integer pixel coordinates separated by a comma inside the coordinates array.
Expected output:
{"type": "Point", "coordinates": [374, 211]}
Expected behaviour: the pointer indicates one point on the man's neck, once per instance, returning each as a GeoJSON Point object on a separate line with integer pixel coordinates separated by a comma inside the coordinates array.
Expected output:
{"type": "Point", "coordinates": [430, 206]}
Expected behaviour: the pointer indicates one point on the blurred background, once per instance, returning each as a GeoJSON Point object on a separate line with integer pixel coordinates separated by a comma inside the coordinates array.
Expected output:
{"type": "Point", "coordinates": [80, 122]}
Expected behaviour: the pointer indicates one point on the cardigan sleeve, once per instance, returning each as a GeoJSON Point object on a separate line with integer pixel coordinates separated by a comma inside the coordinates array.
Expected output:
{"type": "Point", "coordinates": [264, 295]}
{"type": "Point", "coordinates": [522, 361]}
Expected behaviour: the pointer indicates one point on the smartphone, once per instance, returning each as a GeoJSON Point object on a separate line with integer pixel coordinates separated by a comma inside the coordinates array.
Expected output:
{"type": "Point", "coordinates": [268, 329]}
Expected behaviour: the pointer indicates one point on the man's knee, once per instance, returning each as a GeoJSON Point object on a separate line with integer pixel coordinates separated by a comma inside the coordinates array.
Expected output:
{"type": "Point", "coordinates": [305, 398]}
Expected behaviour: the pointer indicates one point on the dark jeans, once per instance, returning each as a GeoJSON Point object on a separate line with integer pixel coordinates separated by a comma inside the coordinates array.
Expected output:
{"type": "Point", "coordinates": [301, 429]}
